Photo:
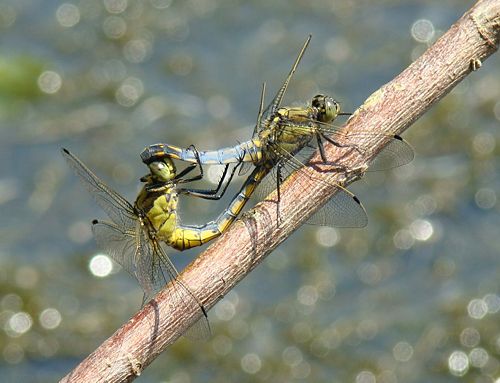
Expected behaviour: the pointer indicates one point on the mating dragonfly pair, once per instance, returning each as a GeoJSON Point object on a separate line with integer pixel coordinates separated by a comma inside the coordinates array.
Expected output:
{"type": "Point", "coordinates": [284, 138]}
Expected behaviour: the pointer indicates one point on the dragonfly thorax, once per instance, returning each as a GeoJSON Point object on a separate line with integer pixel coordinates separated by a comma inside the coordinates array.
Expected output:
{"type": "Point", "coordinates": [158, 198]}
{"type": "Point", "coordinates": [327, 109]}
{"type": "Point", "coordinates": [159, 207]}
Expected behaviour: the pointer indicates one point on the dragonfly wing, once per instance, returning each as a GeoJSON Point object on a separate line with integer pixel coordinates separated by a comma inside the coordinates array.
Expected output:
{"type": "Point", "coordinates": [119, 243]}
{"type": "Point", "coordinates": [155, 270]}
{"type": "Point", "coordinates": [276, 102]}
{"type": "Point", "coordinates": [147, 262]}
{"type": "Point", "coordinates": [342, 210]}
{"type": "Point", "coordinates": [397, 151]}
{"type": "Point", "coordinates": [118, 208]}
{"type": "Point", "coordinates": [289, 165]}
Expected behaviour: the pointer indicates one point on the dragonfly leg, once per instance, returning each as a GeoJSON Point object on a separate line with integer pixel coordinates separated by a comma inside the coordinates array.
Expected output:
{"type": "Point", "coordinates": [340, 145]}
{"type": "Point", "coordinates": [187, 170]}
{"type": "Point", "coordinates": [191, 167]}
{"type": "Point", "coordinates": [213, 194]}
{"type": "Point", "coordinates": [278, 191]}
{"type": "Point", "coordinates": [321, 148]}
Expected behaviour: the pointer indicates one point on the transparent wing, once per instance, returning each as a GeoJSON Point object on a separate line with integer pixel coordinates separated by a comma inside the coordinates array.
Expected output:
{"type": "Point", "coordinates": [396, 153]}
{"type": "Point", "coordinates": [276, 102]}
{"type": "Point", "coordinates": [343, 210]}
{"type": "Point", "coordinates": [119, 210]}
{"type": "Point", "coordinates": [155, 270]}
{"type": "Point", "coordinates": [147, 262]}
{"type": "Point", "coordinates": [120, 243]}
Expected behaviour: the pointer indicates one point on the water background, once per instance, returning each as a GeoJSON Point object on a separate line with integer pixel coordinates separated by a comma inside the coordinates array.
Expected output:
{"type": "Point", "coordinates": [414, 297]}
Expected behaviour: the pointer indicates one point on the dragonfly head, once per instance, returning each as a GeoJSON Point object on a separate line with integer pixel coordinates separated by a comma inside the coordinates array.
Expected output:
{"type": "Point", "coordinates": [162, 171]}
{"type": "Point", "coordinates": [328, 109]}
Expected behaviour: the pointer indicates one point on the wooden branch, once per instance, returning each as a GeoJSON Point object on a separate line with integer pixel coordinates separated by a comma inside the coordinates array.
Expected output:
{"type": "Point", "coordinates": [392, 109]}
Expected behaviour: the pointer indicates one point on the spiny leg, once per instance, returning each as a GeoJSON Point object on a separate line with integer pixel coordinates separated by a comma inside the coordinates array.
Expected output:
{"type": "Point", "coordinates": [339, 145]}
{"type": "Point", "coordinates": [214, 193]}
{"type": "Point", "coordinates": [190, 168]}
{"type": "Point", "coordinates": [321, 148]}
{"type": "Point", "coordinates": [278, 191]}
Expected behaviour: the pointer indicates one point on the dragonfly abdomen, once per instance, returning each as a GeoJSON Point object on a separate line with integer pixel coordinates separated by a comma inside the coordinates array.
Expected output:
{"type": "Point", "coordinates": [184, 237]}
{"type": "Point", "coordinates": [248, 151]}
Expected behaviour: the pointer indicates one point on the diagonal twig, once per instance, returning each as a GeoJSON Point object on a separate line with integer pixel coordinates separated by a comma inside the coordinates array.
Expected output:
{"type": "Point", "coordinates": [391, 109]}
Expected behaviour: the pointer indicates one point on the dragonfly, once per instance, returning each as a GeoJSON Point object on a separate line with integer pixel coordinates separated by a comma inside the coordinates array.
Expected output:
{"type": "Point", "coordinates": [285, 138]}
{"type": "Point", "coordinates": [134, 236]}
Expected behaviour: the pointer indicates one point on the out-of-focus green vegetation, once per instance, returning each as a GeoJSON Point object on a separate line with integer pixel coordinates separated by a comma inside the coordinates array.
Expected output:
{"type": "Point", "coordinates": [18, 77]}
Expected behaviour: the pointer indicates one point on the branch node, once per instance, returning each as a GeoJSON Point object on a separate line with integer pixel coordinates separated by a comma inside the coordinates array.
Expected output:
{"type": "Point", "coordinates": [135, 365]}
{"type": "Point", "coordinates": [475, 64]}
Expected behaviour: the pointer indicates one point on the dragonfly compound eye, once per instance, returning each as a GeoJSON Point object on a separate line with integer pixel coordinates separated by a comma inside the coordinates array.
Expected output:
{"type": "Point", "coordinates": [328, 108]}
{"type": "Point", "coordinates": [164, 171]}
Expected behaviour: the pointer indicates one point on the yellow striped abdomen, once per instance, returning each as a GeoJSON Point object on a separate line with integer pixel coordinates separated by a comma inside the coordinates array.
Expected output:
{"type": "Point", "coordinates": [185, 237]}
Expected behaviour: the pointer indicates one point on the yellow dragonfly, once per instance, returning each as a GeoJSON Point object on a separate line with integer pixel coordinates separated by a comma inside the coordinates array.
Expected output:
{"type": "Point", "coordinates": [134, 235]}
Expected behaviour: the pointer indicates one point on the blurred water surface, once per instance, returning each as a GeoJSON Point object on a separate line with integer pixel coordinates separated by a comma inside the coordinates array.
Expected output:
{"type": "Point", "coordinates": [414, 297]}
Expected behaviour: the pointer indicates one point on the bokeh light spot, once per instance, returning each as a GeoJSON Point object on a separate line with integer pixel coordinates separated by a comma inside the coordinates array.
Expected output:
{"type": "Point", "coordinates": [136, 51]}
{"type": "Point", "coordinates": [115, 6]}
{"type": "Point", "coordinates": [477, 308]}
{"type": "Point", "coordinates": [100, 265]}
{"type": "Point", "coordinates": [50, 318]}
{"type": "Point", "coordinates": [68, 15]}
{"type": "Point", "coordinates": [402, 351]}
{"type": "Point", "coordinates": [251, 363]}
{"type": "Point", "coordinates": [403, 239]}
{"type": "Point", "coordinates": [366, 377]}
{"type": "Point", "coordinates": [327, 236]}
{"type": "Point", "coordinates": [458, 363]}
{"type": "Point", "coordinates": [301, 370]}
{"type": "Point", "coordinates": [225, 310]}
{"type": "Point", "coordinates": [478, 357]}
{"type": "Point", "coordinates": [470, 337]}
{"type": "Point", "coordinates": [493, 303]}
{"type": "Point", "coordinates": [484, 143]}
{"type": "Point", "coordinates": [292, 356]}
{"type": "Point", "coordinates": [49, 82]}
{"type": "Point", "coordinates": [129, 92]}
{"type": "Point", "coordinates": [13, 353]}
{"type": "Point", "coordinates": [222, 345]}
{"type": "Point", "coordinates": [485, 198]}
{"type": "Point", "coordinates": [421, 229]}
{"type": "Point", "coordinates": [369, 273]}
{"type": "Point", "coordinates": [422, 31]}
{"type": "Point", "coordinates": [308, 295]}
{"type": "Point", "coordinates": [114, 27]}
{"type": "Point", "coordinates": [19, 323]}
